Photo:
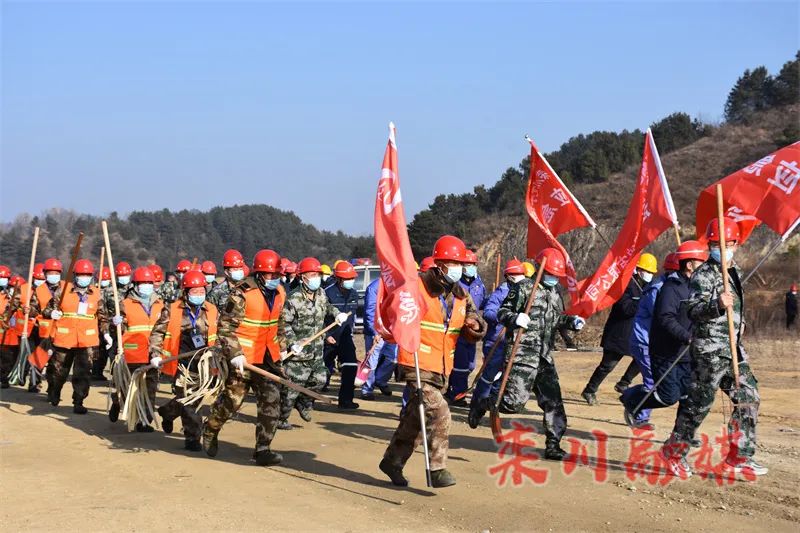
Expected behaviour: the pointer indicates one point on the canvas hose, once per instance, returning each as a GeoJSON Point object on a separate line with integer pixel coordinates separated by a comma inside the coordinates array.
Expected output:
{"type": "Point", "coordinates": [18, 375]}
{"type": "Point", "coordinates": [202, 387]}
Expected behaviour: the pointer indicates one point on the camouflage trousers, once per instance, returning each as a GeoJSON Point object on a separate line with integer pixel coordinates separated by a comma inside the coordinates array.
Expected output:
{"type": "Point", "coordinates": [408, 434]}
{"type": "Point", "coordinates": [708, 375]}
{"type": "Point", "coordinates": [58, 367]}
{"type": "Point", "coordinates": [268, 398]}
{"type": "Point", "coordinates": [8, 356]}
{"type": "Point", "coordinates": [151, 383]}
{"type": "Point", "coordinates": [191, 420]}
{"type": "Point", "coordinates": [538, 376]}
{"type": "Point", "coordinates": [311, 375]}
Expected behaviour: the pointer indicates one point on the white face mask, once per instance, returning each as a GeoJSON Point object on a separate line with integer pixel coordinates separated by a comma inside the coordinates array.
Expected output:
{"type": "Point", "coordinates": [647, 277]}
{"type": "Point", "coordinates": [516, 279]}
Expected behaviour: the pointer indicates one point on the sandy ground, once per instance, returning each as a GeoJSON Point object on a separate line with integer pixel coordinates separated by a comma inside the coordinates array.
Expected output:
{"type": "Point", "coordinates": [62, 471]}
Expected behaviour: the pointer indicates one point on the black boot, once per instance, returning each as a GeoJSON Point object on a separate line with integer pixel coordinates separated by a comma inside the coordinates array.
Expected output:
{"type": "Point", "coordinates": [553, 451]}
{"type": "Point", "coordinates": [476, 413]}
{"type": "Point", "coordinates": [113, 412]}
{"type": "Point", "coordinates": [394, 472]}
{"type": "Point", "coordinates": [193, 445]}
{"type": "Point", "coordinates": [167, 424]}
{"type": "Point", "coordinates": [79, 409]}
{"type": "Point", "coordinates": [268, 458]}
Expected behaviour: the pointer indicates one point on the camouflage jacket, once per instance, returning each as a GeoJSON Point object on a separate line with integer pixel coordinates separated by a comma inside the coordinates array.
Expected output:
{"type": "Point", "coordinates": [219, 294]}
{"type": "Point", "coordinates": [710, 338]}
{"type": "Point", "coordinates": [108, 296]}
{"type": "Point", "coordinates": [547, 316]}
{"type": "Point", "coordinates": [302, 316]}
{"type": "Point", "coordinates": [169, 291]}
{"type": "Point", "coordinates": [160, 328]}
{"type": "Point", "coordinates": [36, 306]}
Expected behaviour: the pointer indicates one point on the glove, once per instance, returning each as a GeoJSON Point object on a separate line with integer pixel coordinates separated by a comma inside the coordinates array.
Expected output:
{"type": "Point", "coordinates": [578, 323]}
{"type": "Point", "coordinates": [116, 320]}
{"type": "Point", "coordinates": [341, 318]}
{"type": "Point", "coordinates": [56, 314]}
{"type": "Point", "coordinates": [523, 320]}
{"type": "Point", "coordinates": [238, 363]}
{"type": "Point", "coordinates": [296, 349]}
{"type": "Point", "coordinates": [109, 341]}
{"type": "Point", "coordinates": [155, 362]}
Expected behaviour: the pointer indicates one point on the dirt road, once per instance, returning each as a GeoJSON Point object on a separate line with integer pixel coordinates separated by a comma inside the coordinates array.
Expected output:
{"type": "Point", "coordinates": [62, 471]}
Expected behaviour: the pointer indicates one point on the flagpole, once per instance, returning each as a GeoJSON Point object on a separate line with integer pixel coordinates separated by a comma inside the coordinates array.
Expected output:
{"type": "Point", "coordinates": [677, 233]}
{"type": "Point", "coordinates": [775, 246]}
{"type": "Point", "coordinates": [603, 237]}
{"type": "Point", "coordinates": [422, 422]}
{"type": "Point", "coordinates": [726, 287]}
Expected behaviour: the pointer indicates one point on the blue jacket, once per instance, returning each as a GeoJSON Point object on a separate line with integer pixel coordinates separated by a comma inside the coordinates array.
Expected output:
{"type": "Point", "coordinates": [672, 328]}
{"type": "Point", "coordinates": [490, 315]}
{"type": "Point", "coordinates": [345, 301]}
{"type": "Point", "coordinates": [640, 334]}
{"type": "Point", "coordinates": [370, 307]}
{"type": "Point", "coordinates": [476, 289]}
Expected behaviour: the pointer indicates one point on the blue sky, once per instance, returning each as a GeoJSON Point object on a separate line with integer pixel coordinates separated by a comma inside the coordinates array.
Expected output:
{"type": "Point", "coordinates": [125, 106]}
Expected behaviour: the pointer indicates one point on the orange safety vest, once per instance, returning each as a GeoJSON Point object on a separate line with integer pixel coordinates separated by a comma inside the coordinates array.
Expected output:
{"type": "Point", "coordinates": [172, 339]}
{"type": "Point", "coordinates": [136, 339]}
{"type": "Point", "coordinates": [78, 330]}
{"type": "Point", "coordinates": [43, 296]}
{"type": "Point", "coordinates": [437, 341]}
{"type": "Point", "coordinates": [258, 331]}
{"type": "Point", "coordinates": [8, 337]}
{"type": "Point", "coordinates": [20, 315]}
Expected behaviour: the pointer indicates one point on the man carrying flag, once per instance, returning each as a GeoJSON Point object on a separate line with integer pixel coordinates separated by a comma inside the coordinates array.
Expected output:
{"type": "Point", "coordinates": [424, 315]}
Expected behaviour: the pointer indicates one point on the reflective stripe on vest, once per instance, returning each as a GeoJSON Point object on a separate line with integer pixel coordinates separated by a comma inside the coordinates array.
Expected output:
{"type": "Point", "coordinates": [136, 339]}
{"type": "Point", "coordinates": [172, 339]}
{"type": "Point", "coordinates": [257, 332]}
{"type": "Point", "coordinates": [74, 330]}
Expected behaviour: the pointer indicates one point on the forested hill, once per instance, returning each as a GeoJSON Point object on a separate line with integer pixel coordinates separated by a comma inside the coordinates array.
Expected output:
{"type": "Point", "coordinates": [165, 236]}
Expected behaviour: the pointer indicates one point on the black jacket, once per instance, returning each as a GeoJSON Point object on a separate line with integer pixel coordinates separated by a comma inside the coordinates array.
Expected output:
{"type": "Point", "coordinates": [618, 328]}
{"type": "Point", "coordinates": [671, 329]}
{"type": "Point", "coordinates": [791, 304]}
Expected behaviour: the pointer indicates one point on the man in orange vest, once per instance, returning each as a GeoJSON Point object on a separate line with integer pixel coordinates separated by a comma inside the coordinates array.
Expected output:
{"type": "Point", "coordinates": [188, 324]}
{"type": "Point", "coordinates": [9, 339]}
{"type": "Point", "coordinates": [139, 311]}
{"type": "Point", "coordinates": [450, 314]}
{"type": "Point", "coordinates": [78, 321]}
{"type": "Point", "coordinates": [51, 274]}
{"type": "Point", "coordinates": [247, 333]}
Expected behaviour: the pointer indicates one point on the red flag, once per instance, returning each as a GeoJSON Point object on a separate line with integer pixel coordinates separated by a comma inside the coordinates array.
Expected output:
{"type": "Point", "coordinates": [651, 212]}
{"type": "Point", "coordinates": [400, 305]}
{"type": "Point", "coordinates": [766, 191]}
{"type": "Point", "coordinates": [552, 210]}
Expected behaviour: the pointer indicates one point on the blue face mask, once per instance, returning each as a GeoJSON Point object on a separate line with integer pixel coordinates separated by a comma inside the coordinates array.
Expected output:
{"type": "Point", "coordinates": [123, 280]}
{"type": "Point", "coordinates": [348, 284]}
{"type": "Point", "coordinates": [3, 282]}
{"type": "Point", "coordinates": [83, 281]}
{"type": "Point", "coordinates": [716, 255]}
{"type": "Point", "coordinates": [237, 275]}
{"type": "Point", "coordinates": [145, 289]}
{"type": "Point", "coordinates": [454, 273]}
{"type": "Point", "coordinates": [197, 300]}
{"type": "Point", "coordinates": [313, 284]}
{"type": "Point", "coordinates": [105, 283]}
{"type": "Point", "coordinates": [272, 284]}
{"type": "Point", "coordinates": [470, 271]}
{"type": "Point", "coordinates": [53, 279]}
{"type": "Point", "coordinates": [37, 282]}
{"type": "Point", "coordinates": [549, 280]}
{"type": "Point", "coordinates": [210, 278]}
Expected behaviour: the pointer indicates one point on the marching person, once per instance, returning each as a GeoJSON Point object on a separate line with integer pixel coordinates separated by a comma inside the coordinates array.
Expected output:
{"type": "Point", "coordinates": [247, 333]}
{"type": "Point", "coordinates": [712, 360]}
{"type": "Point", "coordinates": [188, 324]}
{"type": "Point", "coordinates": [383, 358]}
{"type": "Point", "coordinates": [99, 364]}
{"type": "Point", "coordinates": [138, 314]}
{"type": "Point", "coordinates": [514, 273]}
{"type": "Point", "coordinates": [791, 306]}
{"type": "Point", "coordinates": [464, 360]}
{"type": "Point", "coordinates": [450, 314]}
{"type": "Point", "coordinates": [233, 266]}
{"type": "Point", "coordinates": [9, 343]}
{"type": "Point", "coordinates": [617, 331]}
{"type": "Point", "coordinates": [303, 315]}
{"type": "Point", "coordinates": [209, 270]}
{"type": "Point", "coordinates": [534, 369]}
{"type": "Point", "coordinates": [669, 333]}
{"type": "Point", "coordinates": [77, 323]}
{"type": "Point", "coordinates": [339, 345]}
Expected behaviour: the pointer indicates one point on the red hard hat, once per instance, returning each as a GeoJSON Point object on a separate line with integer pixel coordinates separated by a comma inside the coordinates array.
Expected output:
{"type": "Point", "coordinates": [192, 279]}
{"type": "Point", "coordinates": [83, 266]}
{"type": "Point", "coordinates": [694, 250]}
{"type": "Point", "coordinates": [471, 257]}
{"type": "Point", "coordinates": [291, 267]}
{"type": "Point", "coordinates": [309, 264]}
{"type": "Point", "coordinates": [793, 288]}
{"type": "Point", "coordinates": [284, 263]}
{"type": "Point", "coordinates": [514, 267]}
{"type": "Point", "coordinates": [16, 281]}
{"type": "Point", "coordinates": [5, 272]}
{"type": "Point", "coordinates": [449, 248]}
{"type": "Point", "coordinates": [208, 267]}
{"type": "Point", "coordinates": [556, 264]}
{"type": "Point", "coordinates": [184, 265]}
{"type": "Point", "coordinates": [143, 275]}
{"type": "Point", "coordinates": [731, 230]}
{"type": "Point", "coordinates": [195, 267]}
{"type": "Point", "coordinates": [158, 273]}
{"type": "Point", "coordinates": [246, 270]}
{"type": "Point", "coordinates": [53, 264]}
{"type": "Point", "coordinates": [427, 264]}
{"type": "Point", "coordinates": [344, 270]}
{"type": "Point", "coordinates": [232, 259]}
{"type": "Point", "coordinates": [105, 274]}
{"type": "Point", "coordinates": [267, 261]}
{"type": "Point", "coordinates": [38, 271]}
{"type": "Point", "coordinates": [122, 269]}
{"type": "Point", "coordinates": [671, 263]}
